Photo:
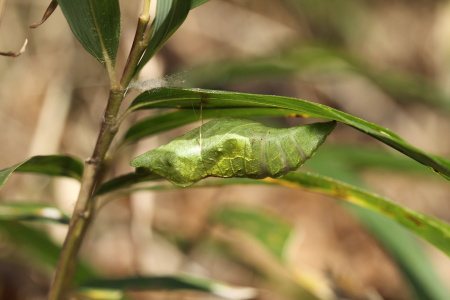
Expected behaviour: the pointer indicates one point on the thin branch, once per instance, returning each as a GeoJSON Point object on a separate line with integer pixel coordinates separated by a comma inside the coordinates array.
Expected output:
{"type": "Point", "coordinates": [140, 43]}
{"type": "Point", "coordinates": [94, 167]}
{"type": "Point", "coordinates": [85, 209]}
{"type": "Point", "coordinates": [146, 9]}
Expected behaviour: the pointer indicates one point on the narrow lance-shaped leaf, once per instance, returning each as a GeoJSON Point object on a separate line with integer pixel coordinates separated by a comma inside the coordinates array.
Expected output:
{"type": "Point", "coordinates": [189, 98]}
{"type": "Point", "coordinates": [346, 163]}
{"type": "Point", "coordinates": [234, 147]}
{"type": "Point", "coordinates": [39, 246]}
{"type": "Point", "coordinates": [31, 212]}
{"type": "Point", "coordinates": [115, 287]}
{"type": "Point", "coordinates": [54, 165]}
{"type": "Point", "coordinates": [318, 59]}
{"type": "Point", "coordinates": [429, 228]}
{"type": "Point", "coordinates": [195, 3]}
{"type": "Point", "coordinates": [407, 253]}
{"type": "Point", "coordinates": [124, 181]}
{"type": "Point", "coordinates": [170, 14]}
{"type": "Point", "coordinates": [96, 25]}
{"type": "Point", "coordinates": [162, 122]}
{"type": "Point", "coordinates": [416, 269]}
{"type": "Point", "coordinates": [269, 229]}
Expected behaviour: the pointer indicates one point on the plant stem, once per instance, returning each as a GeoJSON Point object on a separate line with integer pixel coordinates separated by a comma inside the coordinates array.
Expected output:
{"type": "Point", "coordinates": [140, 42]}
{"type": "Point", "coordinates": [84, 210]}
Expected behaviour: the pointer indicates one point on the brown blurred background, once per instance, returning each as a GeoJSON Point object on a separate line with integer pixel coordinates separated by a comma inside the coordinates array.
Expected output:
{"type": "Point", "coordinates": [52, 98]}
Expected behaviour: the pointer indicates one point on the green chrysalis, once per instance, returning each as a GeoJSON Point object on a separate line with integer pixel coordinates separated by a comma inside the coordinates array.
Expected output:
{"type": "Point", "coordinates": [234, 147]}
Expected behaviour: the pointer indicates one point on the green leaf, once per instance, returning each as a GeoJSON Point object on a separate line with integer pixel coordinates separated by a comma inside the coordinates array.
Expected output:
{"type": "Point", "coordinates": [406, 252]}
{"type": "Point", "coordinates": [296, 60]}
{"type": "Point", "coordinates": [53, 165]}
{"type": "Point", "coordinates": [116, 287]}
{"type": "Point", "coordinates": [163, 122]}
{"type": "Point", "coordinates": [96, 25]}
{"type": "Point", "coordinates": [124, 181]}
{"type": "Point", "coordinates": [32, 211]}
{"type": "Point", "coordinates": [170, 14]}
{"type": "Point", "coordinates": [269, 229]}
{"type": "Point", "coordinates": [195, 3]}
{"type": "Point", "coordinates": [234, 147]}
{"type": "Point", "coordinates": [39, 247]}
{"type": "Point", "coordinates": [345, 162]}
{"type": "Point", "coordinates": [257, 246]}
{"type": "Point", "coordinates": [337, 160]}
{"type": "Point", "coordinates": [431, 229]}
{"type": "Point", "coordinates": [207, 99]}
{"type": "Point", "coordinates": [325, 18]}
{"type": "Point", "coordinates": [316, 59]}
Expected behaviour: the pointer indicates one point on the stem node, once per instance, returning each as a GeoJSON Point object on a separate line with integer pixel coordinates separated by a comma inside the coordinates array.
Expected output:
{"type": "Point", "coordinates": [94, 170]}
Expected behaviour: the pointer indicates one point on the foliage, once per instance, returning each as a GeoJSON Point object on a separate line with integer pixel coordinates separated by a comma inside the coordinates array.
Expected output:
{"type": "Point", "coordinates": [223, 148]}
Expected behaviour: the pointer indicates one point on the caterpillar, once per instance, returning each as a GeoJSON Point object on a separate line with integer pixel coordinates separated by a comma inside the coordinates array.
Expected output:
{"type": "Point", "coordinates": [234, 147]}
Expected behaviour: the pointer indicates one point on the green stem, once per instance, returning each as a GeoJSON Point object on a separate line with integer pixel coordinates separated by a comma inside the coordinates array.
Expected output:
{"type": "Point", "coordinates": [85, 209]}
{"type": "Point", "coordinates": [140, 43]}
{"type": "Point", "coordinates": [94, 167]}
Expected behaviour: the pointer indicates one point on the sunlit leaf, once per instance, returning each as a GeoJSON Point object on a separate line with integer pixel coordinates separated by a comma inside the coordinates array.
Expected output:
{"type": "Point", "coordinates": [195, 3]}
{"type": "Point", "coordinates": [96, 25]}
{"type": "Point", "coordinates": [314, 59]}
{"type": "Point", "coordinates": [329, 22]}
{"type": "Point", "coordinates": [344, 162]}
{"type": "Point", "coordinates": [189, 98]}
{"type": "Point", "coordinates": [170, 14]}
{"type": "Point", "coordinates": [32, 211]}
{"type": "Point", "coordinates": [53, 165]}
{"type": "Point", "coordinates": [168, 283]}
{"type": "Point", "coordinates": [269, 229]}
{"type": "Point", "coordinates": [431, 229]}
{"type": "Point", "coordinates": [166, 121]}
{"type": "Point", "coordinates": [252, 253]}
{"type": "Point", "coordinates": [338, 160]}
{"type": "Point", "coordinates": [124, 181]}
{"type": "Point", "coordinates": [406, 252]}
{"type": "Point", "coordinates": [39, 247]}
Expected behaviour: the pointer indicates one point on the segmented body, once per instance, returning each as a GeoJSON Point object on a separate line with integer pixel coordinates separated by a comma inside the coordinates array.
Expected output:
{"type": "Point", "coordinates": [234, 147]}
